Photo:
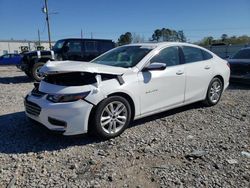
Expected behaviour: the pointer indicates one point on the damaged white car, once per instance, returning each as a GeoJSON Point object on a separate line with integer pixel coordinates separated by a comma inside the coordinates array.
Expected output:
{"type": "Point", "coordinates": [129, 82]}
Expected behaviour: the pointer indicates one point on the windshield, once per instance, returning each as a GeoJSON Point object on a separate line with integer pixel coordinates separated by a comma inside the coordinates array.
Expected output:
{"type": "Point", "coordinates": [126, 56]}
{"type": "Point", "coordinates": [58, 45]}
{"type": "Point", "coordinates": [242, 54]}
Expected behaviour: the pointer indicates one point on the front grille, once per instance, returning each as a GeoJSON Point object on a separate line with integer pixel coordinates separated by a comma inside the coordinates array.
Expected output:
{"type": "Point", "coordinates": [32, 108]}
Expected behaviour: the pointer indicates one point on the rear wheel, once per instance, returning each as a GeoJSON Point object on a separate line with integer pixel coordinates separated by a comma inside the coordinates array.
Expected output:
{"type": "Point", "coordinates": [35, 71]}
{"type": "Point", "coordinates": [214, 92]}
{"type": "Point", "coordinates": [112, 116]}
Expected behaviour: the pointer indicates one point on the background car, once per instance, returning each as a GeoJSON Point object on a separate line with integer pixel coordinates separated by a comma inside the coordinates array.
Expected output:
{"type": "Point", "coordinates": [126, 83]}
{"type": "Point", "coordinates": [65, 49]}
{"type": "Point", "coordinates": [10, 59]}
{"type": "Point", "coordinates": [240, 65]}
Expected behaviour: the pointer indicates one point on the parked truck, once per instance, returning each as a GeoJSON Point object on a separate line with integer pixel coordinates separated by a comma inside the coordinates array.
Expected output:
{"type": "Point", "coordinates": [65, 49]}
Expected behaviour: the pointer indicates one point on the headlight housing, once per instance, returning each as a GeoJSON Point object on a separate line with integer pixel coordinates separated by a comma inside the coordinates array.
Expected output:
{"type": "Point", "coordinates": [57, 98]}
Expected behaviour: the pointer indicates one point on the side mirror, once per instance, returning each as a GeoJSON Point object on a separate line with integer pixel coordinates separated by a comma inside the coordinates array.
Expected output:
{"type": "Point", "coordinates": [155, 66]}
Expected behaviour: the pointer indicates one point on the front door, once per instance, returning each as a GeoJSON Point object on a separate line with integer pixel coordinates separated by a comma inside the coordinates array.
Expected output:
{"type": "Point", "coordinates": [162, 88]}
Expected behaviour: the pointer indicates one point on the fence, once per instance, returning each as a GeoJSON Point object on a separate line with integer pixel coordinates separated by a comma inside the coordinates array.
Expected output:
{"type": "Point", "coordinates": [225, 51]}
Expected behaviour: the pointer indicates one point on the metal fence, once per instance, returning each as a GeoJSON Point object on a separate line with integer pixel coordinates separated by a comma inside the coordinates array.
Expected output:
{"type": "Point", "coordinates": [225, 51]}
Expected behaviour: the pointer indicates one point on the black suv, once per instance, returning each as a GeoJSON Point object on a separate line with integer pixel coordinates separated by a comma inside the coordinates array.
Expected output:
{"type": "Point", "coordinates": [65, 49]}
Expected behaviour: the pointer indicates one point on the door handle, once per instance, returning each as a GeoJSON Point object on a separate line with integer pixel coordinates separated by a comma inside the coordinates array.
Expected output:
{"type": "Point", "coordinates": [207, 67]}
{"type": "Point", "coordinates": [179, 72]}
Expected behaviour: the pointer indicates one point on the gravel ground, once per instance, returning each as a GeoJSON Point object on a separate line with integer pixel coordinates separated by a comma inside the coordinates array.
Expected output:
{"type": "Point", "coordinates": [192, 146]}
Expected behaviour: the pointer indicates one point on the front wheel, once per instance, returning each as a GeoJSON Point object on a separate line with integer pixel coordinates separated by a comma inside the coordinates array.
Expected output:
{"type": "Point", "coordinates": [35, 71]}
{"type": "Point", "coordinates": [214, 92]}
{"type": "Point", "coordinates": [112, 116]}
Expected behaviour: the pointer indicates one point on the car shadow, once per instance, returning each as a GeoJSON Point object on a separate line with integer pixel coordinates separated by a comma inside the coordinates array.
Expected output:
{"type": "Point", "coordinates": [15, 80]}
{"type": "Point", "coordinates": [19, 135]}
{"type": "Point", "coordinates": [167, 113]}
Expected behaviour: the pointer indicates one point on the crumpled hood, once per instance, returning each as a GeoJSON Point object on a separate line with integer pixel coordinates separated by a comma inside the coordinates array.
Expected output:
{"type": "Point", "coordinates": [55, 67]}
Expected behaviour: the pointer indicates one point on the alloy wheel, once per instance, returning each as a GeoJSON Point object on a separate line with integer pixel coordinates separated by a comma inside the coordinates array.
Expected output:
{"type": "Point", "coordinates": [215, 91]}
{"type": "Point", "coordinates": [114, 117]}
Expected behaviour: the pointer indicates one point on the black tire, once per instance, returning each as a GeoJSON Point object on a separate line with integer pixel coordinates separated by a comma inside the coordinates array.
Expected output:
{"type": "Point", "coordinates": [209, 99]}
{"type": "Point", "coordinates": [96, 127]}
{"type": "Point", "coordinates": [34, 71]}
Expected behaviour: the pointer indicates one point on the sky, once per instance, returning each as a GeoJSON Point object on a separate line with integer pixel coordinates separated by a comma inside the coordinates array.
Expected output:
{"type": "Point", "coordinates": [108, 19]}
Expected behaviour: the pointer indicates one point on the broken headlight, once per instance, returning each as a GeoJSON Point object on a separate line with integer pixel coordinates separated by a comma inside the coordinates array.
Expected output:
{"type": "Point", "coordinates": [56, 98]}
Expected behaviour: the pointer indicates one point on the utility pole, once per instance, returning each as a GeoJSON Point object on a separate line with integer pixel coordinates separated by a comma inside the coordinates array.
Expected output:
{"type": "Point", "coordinates": [81, 34]}
{"type": "Point", "coordinates": [39, 39]}
{"type": "Point", "coordinates": [47, 19]}
{"type": "Point", "coordinates": [91, 35]}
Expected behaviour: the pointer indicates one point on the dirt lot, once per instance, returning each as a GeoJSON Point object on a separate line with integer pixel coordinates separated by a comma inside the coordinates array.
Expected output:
{"type": "Point", "coordinates": [192, 146]}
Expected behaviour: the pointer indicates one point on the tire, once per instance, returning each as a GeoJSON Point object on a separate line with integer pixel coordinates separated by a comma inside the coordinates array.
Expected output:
{"type": "Point", "coordinates": [34, 71]}
{"type": "Point", "coordinates": [214, 92]}
{"type": "Point", "coordinates": [118, 120]}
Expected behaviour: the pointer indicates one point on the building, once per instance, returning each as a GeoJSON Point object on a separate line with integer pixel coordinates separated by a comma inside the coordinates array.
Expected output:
{"type": "Point", "coordinates": [17, 46]}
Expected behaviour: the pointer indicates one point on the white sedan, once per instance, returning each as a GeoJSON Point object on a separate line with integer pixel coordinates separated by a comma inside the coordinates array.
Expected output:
{"type": "Point", "coordinates": [129, 82]}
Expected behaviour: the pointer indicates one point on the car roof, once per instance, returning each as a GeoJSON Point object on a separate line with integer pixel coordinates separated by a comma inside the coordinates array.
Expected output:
{"type": "Point", "coordinates": [163, 44]}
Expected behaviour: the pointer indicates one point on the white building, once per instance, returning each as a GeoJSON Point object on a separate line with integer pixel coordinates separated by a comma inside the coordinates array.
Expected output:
{"type": "Point", "coordinates": [14, 46]}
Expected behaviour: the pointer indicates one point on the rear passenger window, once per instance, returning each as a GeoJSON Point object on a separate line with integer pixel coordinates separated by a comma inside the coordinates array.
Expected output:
{"type": "Point", "coordinates": [74, 46]}
{"type": "Point", "coordinates": [206, 55]}
{"type": "Point", "coordinates": [90, 46]}
{"type": "Point", "coordinates": [192, 54]}
{"type": "Point", "coordinates": [169, 56]}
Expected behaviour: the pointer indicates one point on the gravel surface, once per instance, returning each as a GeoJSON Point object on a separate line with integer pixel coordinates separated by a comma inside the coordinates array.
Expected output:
{"type": "Point", "coordinates": [192, 146]}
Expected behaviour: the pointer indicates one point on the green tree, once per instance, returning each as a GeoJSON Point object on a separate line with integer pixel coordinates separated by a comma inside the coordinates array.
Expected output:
{"type": "Point", "coordinates": [206, 41]}
{"type": "Point", "coordinates": [125, 39]}
{"type": "Point", "coordinates": [166, 34]}
{"type": "Point", "coordinates": [156, 35]}
{"type": "Point", "coordinates": [224, 37]}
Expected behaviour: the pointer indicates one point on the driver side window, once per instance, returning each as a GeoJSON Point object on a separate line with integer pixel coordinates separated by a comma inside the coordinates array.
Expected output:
{"type": "Point", "coordinates": [169, 56]}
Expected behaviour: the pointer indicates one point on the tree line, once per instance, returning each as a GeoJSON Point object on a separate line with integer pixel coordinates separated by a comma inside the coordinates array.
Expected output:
{"type": "Point", "coordinates": [159, 35]}
{"type": "Point", "coordinates": [171, 35]}
{"type": "Point", "coordinates": [224, 39]}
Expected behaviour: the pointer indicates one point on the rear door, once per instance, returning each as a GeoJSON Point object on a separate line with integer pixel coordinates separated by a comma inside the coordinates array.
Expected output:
{"type": "Point", "coordinates": [199, 72]}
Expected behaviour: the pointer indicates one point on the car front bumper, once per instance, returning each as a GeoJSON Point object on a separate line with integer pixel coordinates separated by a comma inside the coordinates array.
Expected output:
{"type": "Point", "coordinates": [69, 118]}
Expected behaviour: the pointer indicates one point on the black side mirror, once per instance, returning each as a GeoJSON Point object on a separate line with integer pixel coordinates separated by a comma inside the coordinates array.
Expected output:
{"type": "Point", "coordinates": [155, 66]}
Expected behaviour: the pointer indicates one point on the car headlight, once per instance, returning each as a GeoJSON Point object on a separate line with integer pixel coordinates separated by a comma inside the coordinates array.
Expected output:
{"type": "Point", "coordinates": [67, 97]}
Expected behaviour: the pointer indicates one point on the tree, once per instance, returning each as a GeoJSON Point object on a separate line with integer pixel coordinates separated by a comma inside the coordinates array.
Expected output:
{"type": "Point", "coordinates": [244, 39]}
{"type": "Point", "coordinates": [206, 41]}
{"type": "Point", "coordinates": [166, 34]}
{"type": "Point", "coordinates": [181, 36]}
{"type": "Point", "coordinates": [156, 35]}
{"type": "Point", "coordinates": [224, 37]}
{"type": "Point", "coordinates": [125, 39]}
